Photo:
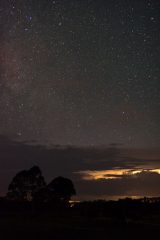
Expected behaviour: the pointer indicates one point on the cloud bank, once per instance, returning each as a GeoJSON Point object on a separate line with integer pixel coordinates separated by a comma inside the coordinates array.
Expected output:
{"type": "Point", "coordinates": [97, 172]}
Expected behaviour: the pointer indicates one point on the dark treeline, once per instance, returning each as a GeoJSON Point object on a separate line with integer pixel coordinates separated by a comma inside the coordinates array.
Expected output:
{"type": "Point", "coordinates": [122, 210]}
{"type": "Point", "coordinates": [125, 209]}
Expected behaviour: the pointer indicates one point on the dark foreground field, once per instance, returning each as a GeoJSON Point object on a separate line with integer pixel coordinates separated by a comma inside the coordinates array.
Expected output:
{"type": "Point", "coordinates": [76, 227]}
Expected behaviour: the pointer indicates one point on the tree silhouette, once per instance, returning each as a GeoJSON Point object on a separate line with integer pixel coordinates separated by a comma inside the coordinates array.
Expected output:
{"type": "Point", "coordinates": [61, 189]}
{"type": "Point", "coordinates": [25, 184]}
{"type": "Point", "coordinates": [43, 196]}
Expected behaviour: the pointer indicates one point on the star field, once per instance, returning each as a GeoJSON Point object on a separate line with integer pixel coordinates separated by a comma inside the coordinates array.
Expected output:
{"type": "Point", "coordinates": [80, 72]}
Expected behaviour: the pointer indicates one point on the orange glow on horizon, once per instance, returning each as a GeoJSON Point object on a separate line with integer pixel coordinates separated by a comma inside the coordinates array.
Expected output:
{"type": "Point", "coordinates": [113, 174]}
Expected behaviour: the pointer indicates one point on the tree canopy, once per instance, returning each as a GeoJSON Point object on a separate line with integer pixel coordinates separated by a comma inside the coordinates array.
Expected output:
{"type": "Point", "coordinates": [25, 183]}
{"type": "Point", "coordinates": [61, 188]}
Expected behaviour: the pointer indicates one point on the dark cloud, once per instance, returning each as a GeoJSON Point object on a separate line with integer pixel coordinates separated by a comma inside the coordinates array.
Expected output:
{"type": "Point", "coordinates": [68, 161]}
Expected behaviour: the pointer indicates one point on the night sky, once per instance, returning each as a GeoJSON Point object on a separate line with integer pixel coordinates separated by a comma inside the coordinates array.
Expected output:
{"type": "Point", "coordinates": [81, 73]}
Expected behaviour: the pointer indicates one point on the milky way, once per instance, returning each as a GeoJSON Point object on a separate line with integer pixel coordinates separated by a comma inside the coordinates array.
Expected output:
{"type": "Point", "coordinates": [80, 72]}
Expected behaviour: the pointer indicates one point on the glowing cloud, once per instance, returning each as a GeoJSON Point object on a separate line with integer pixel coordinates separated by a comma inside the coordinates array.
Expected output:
{"type": "Point", "coordinates": [113, 174]}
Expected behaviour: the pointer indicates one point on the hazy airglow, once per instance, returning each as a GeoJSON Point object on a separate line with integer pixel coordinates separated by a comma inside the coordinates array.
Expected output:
{"type": "Point", "coordinates": [114, 173]}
